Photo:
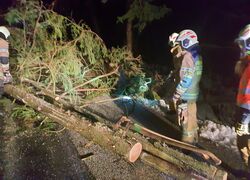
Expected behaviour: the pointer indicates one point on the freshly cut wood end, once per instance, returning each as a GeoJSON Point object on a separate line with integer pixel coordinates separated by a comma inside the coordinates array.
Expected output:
{"type": "Point", "coordinates": [135, 152]}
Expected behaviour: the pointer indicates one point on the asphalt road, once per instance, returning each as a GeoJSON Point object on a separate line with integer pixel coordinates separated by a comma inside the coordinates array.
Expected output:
{"type": "Point", "coordinates": [31, 153]}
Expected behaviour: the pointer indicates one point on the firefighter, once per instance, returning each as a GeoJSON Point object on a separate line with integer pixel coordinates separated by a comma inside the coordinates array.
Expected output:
{"type": "Point", "coordinates": [185, 49]}
{"type": "Point", "coordinates": [5, 76]}
{"type": "Point", "coordinates": [242, 68]}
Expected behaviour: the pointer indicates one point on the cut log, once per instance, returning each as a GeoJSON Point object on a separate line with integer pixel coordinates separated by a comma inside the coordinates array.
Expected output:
{"type": "Point", "coordinates": [108, 140]}
{"type": "Point", "coordinates": [172, 169]}
{"type": "Point", "coordinates": [147, 132]}
{"type": "Point", "coordinates": [186, 163]}
{"type": "Point", "coordinates": [164, 166]}
{"type": "Point", "coordinates": [100, 135]}
{"type": "Point", "coordinates": [172, 156]}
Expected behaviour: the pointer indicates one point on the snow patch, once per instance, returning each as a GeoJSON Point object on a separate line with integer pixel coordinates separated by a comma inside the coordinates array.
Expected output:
{"type": "Point", "coordinates": [218, 133]}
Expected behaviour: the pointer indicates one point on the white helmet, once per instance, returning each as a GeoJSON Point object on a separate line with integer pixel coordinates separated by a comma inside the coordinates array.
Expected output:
{"type": "Point", "coordinates": [5, 31]}
{"type": "Point", "coordinates": [187, 38]}
{"type": "Point", "coordinates": [244, 40]}
{"type": "Point", "coordinates": [172, 39]}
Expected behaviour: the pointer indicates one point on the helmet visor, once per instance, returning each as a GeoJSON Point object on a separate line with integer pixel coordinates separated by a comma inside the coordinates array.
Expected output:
{"type": "Point", "coordinates": [247, 43]}
{"type": "Point", "coordinates": [185, 43]}
{"type": "Point", "coordinates": [243, 43]}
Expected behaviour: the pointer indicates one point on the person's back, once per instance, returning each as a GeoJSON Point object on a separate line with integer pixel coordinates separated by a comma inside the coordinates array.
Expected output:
{"type": "Point", "coordinates": [192, 92]}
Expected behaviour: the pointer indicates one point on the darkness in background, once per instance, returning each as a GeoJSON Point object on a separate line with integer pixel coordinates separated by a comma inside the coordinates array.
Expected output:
{"type": "Point", "coordinates": [216, 23]}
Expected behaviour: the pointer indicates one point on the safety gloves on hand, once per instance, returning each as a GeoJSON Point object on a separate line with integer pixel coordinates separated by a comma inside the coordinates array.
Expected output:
{"type": "Point", "coordinates": [242, 129]}
{"type": "Point", "coordinates": [172, 105]}
{"type": "Point", "coordinates": [180, 109]}
{"type": "Point", "coordinates": [162, 103]}
{"type": "Point", "coordinates": [182, 113]}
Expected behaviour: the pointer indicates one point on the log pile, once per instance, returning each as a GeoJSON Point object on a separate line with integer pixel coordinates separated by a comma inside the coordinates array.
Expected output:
{"type": "Point", "coordinates": [130, 147]}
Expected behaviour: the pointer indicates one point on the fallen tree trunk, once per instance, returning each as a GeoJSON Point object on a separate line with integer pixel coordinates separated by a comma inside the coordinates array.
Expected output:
{"type": "Point", "coordinates": [174, 170]}
{"type": "Point", "coordinates": [185, 163]}
{"type": "Point", "coordinates": [107, 139]}
{"type": "Point", "coordinates": [149, 133]}
{"type": "Point", "coordinates": [100, 135]}
{"type": "Point", "coordinates": [164, 166]}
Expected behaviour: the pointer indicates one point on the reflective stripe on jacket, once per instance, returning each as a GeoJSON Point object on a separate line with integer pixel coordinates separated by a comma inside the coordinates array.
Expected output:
{"type": "Point", "coordinates": [190, 75]}
{"type": "Point", "coordinates": [243, 96]}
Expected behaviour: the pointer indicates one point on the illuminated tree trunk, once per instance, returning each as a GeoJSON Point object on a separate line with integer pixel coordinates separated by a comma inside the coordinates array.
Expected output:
{"type": "Point", "coordinates": [129, 36]}
{"type": "Point", "coordinates": [129, 31]}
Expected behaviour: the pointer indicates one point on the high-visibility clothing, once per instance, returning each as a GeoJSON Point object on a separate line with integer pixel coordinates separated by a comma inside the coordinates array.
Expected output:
{"type": "Point", "coordinates": [243, 96]}
{"type": "Point", "coordinates": [190, 75]}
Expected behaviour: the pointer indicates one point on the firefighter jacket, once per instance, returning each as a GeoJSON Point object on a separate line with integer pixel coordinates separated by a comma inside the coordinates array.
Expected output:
{"type": "Point", "coordinates": [190, 74]}
{"type": "Point", "coordinates": [243, 96]}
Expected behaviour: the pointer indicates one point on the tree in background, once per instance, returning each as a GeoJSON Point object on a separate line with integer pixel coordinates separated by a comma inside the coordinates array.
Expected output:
{"type": "Point", "coordinates": [139, 14]}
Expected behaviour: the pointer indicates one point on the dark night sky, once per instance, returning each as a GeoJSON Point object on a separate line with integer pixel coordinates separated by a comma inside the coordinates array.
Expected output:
{"type": "Point", "coordinates": [217, 23]}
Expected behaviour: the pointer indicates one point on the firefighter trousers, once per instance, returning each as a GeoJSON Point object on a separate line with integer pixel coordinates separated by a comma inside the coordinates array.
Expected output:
{"type": "Point", "coordinates": [190, 126]}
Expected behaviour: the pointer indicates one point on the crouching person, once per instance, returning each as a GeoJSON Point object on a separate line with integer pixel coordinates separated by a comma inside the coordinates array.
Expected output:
{"type": "Point", "coordinates": [5, 76]}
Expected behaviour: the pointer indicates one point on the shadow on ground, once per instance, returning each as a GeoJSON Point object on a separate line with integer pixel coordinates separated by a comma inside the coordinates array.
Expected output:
{"type": "Point", "coordinates": [36, 154]}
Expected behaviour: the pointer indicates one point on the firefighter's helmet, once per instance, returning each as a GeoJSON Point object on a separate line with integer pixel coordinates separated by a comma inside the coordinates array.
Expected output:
{"type": "Point", "coordinates": [243, 41]}
{"type": "Point", "coordinates": [187, 38]}
{"type": "Point", "coordinates": [4, 31]}
{"type": "Point", "coordinates": [172, 39]}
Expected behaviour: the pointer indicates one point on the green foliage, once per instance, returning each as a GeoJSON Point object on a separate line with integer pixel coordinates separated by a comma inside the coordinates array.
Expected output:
{"type": "Point", "coordinates": [24, 113]}
{"type": "Point", "coordinates": [144, 13]}
{"type": "Point", "coordinates": [137, 85]}
{"type": "Point", "coordinates": [61, 55]}
{"type": "Point", "coordinates": [48, 125]}
{"type": "Point", "coordinates": [29, 115]}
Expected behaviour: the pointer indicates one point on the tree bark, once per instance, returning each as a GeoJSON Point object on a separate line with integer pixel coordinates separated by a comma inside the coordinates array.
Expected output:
{"type": "Point", "coordinates": [176, 171]}
{"type": "Point", "coordinates": [129, 30]}
{"type": "Point", "coordinates": [105, 137]}
{"type": "Point", "coordinates": [167, 154]}
{"type": "Point", "coordinates": [100, 135]}
{"type": "Point", "coordinates": [129, 36]}
{"type": "Point", "coordinates": [175, 158]}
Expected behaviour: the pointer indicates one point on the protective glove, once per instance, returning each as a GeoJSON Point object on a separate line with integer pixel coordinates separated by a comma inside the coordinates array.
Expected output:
{"type": "Point", "coordinates": [172, 105]}
{"type": "Point", "coordinates": [242, 129]}
{"type": "Point", "coordinates": [162, 103]}
{"type": "Point", "coordinates": [182, 114]}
